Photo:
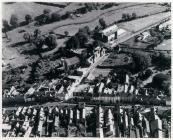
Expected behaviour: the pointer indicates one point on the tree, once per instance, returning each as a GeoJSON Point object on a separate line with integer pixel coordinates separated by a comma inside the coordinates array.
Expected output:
{"type": "Point", "coordinates": [87, 30]}
{"type": "Point", "coordinates": [82, 37]}
{"type": "Point", "coordinates": [38, 42]}
{"type": "Point", "coordinates": [163, 60]}
{"type": "Point", "coordinates": [50, 41]}
{"type": "Point", "coordinates": [37, 32]}
{"type": "Point", "coordinates": [124, 16]}
{"type": "Point", "coordinates": [46, 11]}
{"type": "Point", "coordinates": [141, 60]}
{"type": "Point", "coordinates": [55, 17]}
{"type": "Point", "coordinates": [90, 6]}
{"type": "Point", "coordinates": [28, 18]}
{"type": "Point", "coordinates": [102, 23]}
{"type": "Point", "coordinates": [134, 16]}
{"type": "Point", "coordinates": [27, 37]}
{"type": "Point", "coordinates": [66, 33]}
{"type": "Point", "coordinates": [14, 21]}
{"type": "Point", "coordinates": [72, 43]}
{"type": "Point", "coordinates": [6, 27]}
{"type": "Point", "coordinates": [128, 16]}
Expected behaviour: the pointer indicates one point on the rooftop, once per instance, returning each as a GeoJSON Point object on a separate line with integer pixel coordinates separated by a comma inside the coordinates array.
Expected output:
{"type": "Point", "coordinates": [110, 30]}
{"type": "Point", "coordinates": [72, 61]}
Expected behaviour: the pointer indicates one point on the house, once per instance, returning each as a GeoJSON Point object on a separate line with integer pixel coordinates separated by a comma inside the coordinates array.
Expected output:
{"type": "Point", "coordinates": [70, 63]}
{"type": "Point", "coordinates": [109, 34]}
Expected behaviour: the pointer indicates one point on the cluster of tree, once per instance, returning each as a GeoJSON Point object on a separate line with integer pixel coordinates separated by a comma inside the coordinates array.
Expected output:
{"type": "Point", "coordinates": [145, 74]}
{"type": "Point", "coordinates": [141, 60]}
{"type": "Point", "coordinates": [79, 39]}
{"type": "Point", "coordinates": [14, 22]}
{"type": "Point", "coordinates": [108, 5]}
{"type": "Point", "coordinates": [39, 40]}
{"type": "Point", "coordinates": [102, 25]}
{"type": "Point", "coordinates": [44, 18]}
{"type": "Point", "coordinates": [128, 17]}
{"type": "Point", "coordinates": [162, 60]}
{"type": "Point", "coordinates": [162, 82]}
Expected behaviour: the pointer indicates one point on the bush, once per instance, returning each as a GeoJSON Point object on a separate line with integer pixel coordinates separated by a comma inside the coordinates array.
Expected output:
{"type": "Point", "coordinates": [28, 19]}
{"type": "Point", "coordinates": [55, 17]}
{"type": "Point", "coordinates": [142, 60]}
{"type": "Point", "coordinates": [14, 21]}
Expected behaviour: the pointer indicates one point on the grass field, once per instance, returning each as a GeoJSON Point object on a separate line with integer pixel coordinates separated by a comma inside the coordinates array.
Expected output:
{"type": "Point", "coordinates": [165, 45]}
{"type": "Point", "coordinates": [136, 25]}
{"type": "Point", "coordinates": [23, 8]}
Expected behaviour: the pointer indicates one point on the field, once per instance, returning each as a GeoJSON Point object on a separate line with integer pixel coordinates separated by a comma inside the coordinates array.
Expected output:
{"type": "Point", "coordinates": [165, 45]}
{"type": "Point", "coordinates": [21, 9]}
{"type": "Point", "coordinates": [136, 25]}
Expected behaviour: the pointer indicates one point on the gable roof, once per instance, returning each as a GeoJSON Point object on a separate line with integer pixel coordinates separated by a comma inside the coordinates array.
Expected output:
{"type": "Point", "coordinates": [110, 30]}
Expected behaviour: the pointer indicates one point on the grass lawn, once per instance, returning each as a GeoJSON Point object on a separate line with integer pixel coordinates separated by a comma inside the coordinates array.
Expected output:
{"type": "Point", "coordinates": [132, 44]}
{"type": "Point", "coordinates": [116, 60]}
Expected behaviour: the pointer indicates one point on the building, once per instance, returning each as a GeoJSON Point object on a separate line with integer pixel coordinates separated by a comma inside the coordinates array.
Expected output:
{"type": "Point", "coordinates": [109, 34]}
{"type": "Point", "coordinates": [70, 63]}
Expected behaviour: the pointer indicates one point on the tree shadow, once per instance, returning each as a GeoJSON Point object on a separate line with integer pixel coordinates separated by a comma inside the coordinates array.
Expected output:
{"type": "Point", "coordinates": [34, 51]}
{"type": "Point", "coordinates": [18, 44]}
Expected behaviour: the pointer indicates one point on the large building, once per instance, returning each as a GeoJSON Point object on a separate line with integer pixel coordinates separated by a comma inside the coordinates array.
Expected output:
{"type": "Point", "coordinates": [109, 34]}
